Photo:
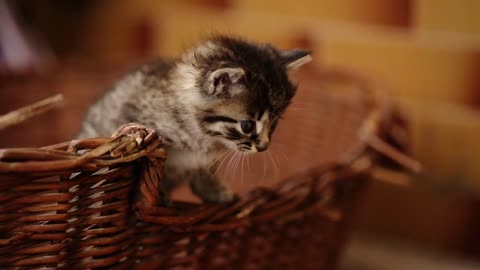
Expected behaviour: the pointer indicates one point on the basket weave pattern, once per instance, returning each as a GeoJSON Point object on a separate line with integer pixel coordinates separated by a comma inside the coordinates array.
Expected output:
{"type": "Point", "coordinates": [107, 218]}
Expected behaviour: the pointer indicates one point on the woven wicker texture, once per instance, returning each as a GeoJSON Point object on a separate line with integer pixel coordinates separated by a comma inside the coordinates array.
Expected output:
{"type": "Point", "coordinates": [95, 203]}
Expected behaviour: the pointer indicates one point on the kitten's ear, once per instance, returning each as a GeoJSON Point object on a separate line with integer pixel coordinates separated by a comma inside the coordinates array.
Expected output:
{"type": "Point", "coordinates": [294, 59]}
{"type": "Point", "coordinates": [224, 79]}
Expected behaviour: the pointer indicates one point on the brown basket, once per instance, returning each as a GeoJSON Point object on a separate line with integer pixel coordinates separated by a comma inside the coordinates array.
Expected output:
{"type": "Point", "coordinates": [95, 203]}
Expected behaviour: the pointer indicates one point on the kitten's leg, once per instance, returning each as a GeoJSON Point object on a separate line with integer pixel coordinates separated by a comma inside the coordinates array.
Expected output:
{"type": "Point", "coordinates": [206, 186]}
{"type": "Point", "coordinates": [172, 177]}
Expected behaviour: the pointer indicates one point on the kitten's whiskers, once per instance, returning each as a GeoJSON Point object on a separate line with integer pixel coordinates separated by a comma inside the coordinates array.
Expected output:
{"type": "Point", "coordinates": [264, 167]}
{"type": "Point", "coordinates": [241, 168]}
{"type": "Point", "coordinates": [274, 164]}
{"type": "Point", "coordinates": [232, 165]}
{"type": "Point", "coordinates": [224, 154]}
{"type": "Point", "coordinates": [227, 156]}
{"type": "Point", "coordinates": [229, 164]}
{"type": "Point", "coordinates": [237, 162]}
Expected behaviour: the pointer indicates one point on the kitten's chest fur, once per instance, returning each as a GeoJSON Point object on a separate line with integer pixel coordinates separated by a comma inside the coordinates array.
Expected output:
{"type": "Point", "coordinates": [190, 160]}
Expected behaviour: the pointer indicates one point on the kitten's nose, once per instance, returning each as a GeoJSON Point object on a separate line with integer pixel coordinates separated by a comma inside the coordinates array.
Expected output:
{"type": "Point", "coordinates": [262, 147]}
{"type": "Point", "coordinates": [263, 142]}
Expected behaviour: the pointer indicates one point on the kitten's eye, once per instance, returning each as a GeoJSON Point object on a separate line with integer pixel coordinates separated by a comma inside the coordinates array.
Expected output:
{"type": "Point", "coordinates": [247, 126]}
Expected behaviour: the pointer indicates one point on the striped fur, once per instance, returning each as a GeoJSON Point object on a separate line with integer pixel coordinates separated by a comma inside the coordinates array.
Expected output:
{"type": "Point", "coordinates": [198, 104]}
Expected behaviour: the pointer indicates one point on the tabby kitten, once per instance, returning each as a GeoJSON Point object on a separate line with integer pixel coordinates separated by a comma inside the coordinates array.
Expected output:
{"type": "Point", "coordinates": [225, 93]}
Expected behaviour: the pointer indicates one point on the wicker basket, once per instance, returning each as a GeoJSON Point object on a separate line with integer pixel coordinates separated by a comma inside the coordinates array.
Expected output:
{"type": "Point", "coordinates": [95, 203]}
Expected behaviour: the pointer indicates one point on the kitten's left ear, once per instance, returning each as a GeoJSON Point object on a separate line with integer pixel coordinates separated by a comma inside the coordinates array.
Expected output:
{"type": "Point", "coordinates": [294, 59]}
{"type": "Point", "coordinates": [223, 80]}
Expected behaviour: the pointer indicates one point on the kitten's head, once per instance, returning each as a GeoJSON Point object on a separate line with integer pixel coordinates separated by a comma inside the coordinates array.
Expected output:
{"type": "Point", "coordinates": [244, 88]}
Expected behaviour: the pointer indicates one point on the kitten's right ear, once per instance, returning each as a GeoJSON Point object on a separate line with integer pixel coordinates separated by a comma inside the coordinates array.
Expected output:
{"type": "Point", "coordinates": [294, 59]}
{"type": "Point", "coordinates": [224, 79]}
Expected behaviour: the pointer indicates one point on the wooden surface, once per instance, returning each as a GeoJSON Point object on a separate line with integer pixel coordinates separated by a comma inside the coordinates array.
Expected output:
{"type": "Point", "coordinates": [370, 253]}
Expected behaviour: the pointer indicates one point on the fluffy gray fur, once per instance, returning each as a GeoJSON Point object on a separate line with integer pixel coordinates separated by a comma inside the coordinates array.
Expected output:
{"type": "Point", "coordinates": [224, 93]}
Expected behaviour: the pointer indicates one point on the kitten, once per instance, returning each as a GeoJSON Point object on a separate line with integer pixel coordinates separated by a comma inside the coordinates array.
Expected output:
{"type": "Point", "coordinates": [225, 93]}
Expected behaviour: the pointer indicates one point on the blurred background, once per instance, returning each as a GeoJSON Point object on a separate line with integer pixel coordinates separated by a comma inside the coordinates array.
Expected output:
{"type": "Point", "coordinates": [426, 52]}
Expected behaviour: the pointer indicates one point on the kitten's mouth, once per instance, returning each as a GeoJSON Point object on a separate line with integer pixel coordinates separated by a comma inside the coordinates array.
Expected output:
{"type": "Point", "coordinates": [249, 151]}
{"type": "Point", "coordinates": [244, 149]}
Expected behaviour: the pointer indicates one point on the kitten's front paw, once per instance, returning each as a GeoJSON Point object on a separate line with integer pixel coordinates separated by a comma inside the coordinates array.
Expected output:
{"type": "Point", "coordinates": [212, 192]}
{"type": "Point", "coordinates": [222, 195]}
